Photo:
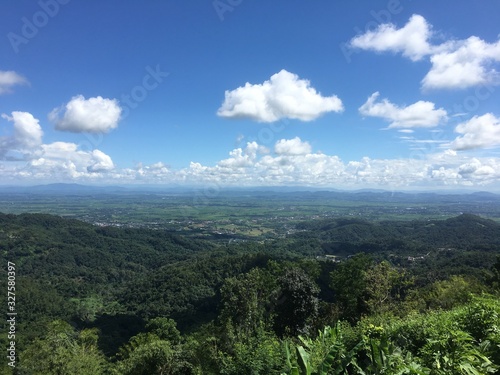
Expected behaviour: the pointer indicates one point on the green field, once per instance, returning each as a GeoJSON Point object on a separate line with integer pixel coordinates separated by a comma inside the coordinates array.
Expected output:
{"type": "Point", "coordinates": [243, 214]}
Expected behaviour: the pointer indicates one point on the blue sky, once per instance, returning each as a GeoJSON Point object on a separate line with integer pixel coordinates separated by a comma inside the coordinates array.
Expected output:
{"type": "Point", "coordinates": [393, 94]}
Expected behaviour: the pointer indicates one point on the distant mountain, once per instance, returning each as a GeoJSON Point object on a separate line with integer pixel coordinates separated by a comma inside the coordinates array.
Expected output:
{"type": "Point", "coordinates": [61, 188]}
{"type": "Point", "coordinates": [289, 192]}
{"type": "Point", "coordinates": [486, 195]}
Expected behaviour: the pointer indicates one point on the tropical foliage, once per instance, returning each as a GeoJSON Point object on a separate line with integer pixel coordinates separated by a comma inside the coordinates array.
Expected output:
{"type": "Point", "coordinates": [99, 300]}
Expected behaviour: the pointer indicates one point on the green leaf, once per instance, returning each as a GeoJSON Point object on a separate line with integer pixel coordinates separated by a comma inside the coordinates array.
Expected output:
{"type": "Point", "coordinates": [303, 359]}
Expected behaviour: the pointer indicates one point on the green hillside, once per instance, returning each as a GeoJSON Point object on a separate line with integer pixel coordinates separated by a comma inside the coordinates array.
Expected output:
{"type": "Point", "coordinates": [144, 301]}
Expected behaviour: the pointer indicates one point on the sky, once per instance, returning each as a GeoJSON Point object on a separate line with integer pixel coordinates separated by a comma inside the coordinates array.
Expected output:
{"type": "Point", "coordinates": [392, 94]}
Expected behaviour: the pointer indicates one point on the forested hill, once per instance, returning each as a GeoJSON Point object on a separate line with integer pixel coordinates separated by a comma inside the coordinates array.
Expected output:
{"type": "Point", "coordinates": [464, 232]}
{"type": "Point", "coordinates": [79, 272]}
{"type": "Point", "coordinates": [113, 297]}
{"type": "Point", "coordinates": [78, 259]}
{"type": "Point", "coordinates": [52, 240]}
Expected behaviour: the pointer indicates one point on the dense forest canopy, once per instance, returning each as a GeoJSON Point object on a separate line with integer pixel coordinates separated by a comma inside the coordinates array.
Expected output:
{"type": "Point", "coordinates": [336, 296]}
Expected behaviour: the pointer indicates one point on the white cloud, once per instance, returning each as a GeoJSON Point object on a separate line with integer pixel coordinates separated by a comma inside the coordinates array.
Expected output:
{"type": "Point", "coordinates": [430, 169]}
{"type": "Point", "coordinates": [421, 114]}
{"type": "Point", "coordinates": [60, 161]}
{"type": "Point", "coordinates": [27, 130]}
{"type": "Point", "coordinates": [411, 40]}
{"type": "Point", "coordinates": [29, 158]}
{"type": "Point", "coordinates": [456, 64]}
{"type": "Point", "coordinates": [240, 158]}
{"type": "Point", "coordinates": [237, 159]}
{"type": "Point", "coordinates": [291, 162]}
{"type": "Point", "coordinates": [8, 79]}
{"type": "Point", "coordinates": [478, 132]}
{"type": "Point", "coordinates": [100, 162]}
{"type": "Point", "coordinates": [471, 172]}
{"type": "Point", "coordinates": [26, 137]}
{"type": "Point", "coordinates": [93, 115]}
{"type": "Point", "coordinates": [285, 95]}
{"type": "Point", "coordinates": [467, 64]}
{"type": "Point", "coordinates": [293, 146]}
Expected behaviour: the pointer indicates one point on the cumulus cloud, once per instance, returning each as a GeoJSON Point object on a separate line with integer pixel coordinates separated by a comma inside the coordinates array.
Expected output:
{"type": "Point", "coordinates": [157, 172]}
{"type": "Point", "coordinates": [100, 162]}
{"type": "Point", "coordinates": [290, 162]}
{"type": "Point", "coordinates": [293, 146]}
{"type": "Point", "coordinates": [467, 64]}
{"type": "Point", "coordinates": [61, 161]}
{"type": "Point", "coordinates": [90, 161]}
{"type": "Point", "coordinates": [411, 40]}
{"type": "Point", "coordinates": [8, 79]}
{"type": "Point", "coordinates": [468, 172]}
{"type": "Point", "coordinates": [456, 64]}
{"type": "Point", "coordinates": [421, 114]}
{"type": "Point", "coordinates": [29, 158]}
{"type": "Point", "coordinates": [303, 167]}
{"type": "Point", "coordinates": [26, 137]}
{"type": "Point", "coordinates": [285, 95]}
{"type": "Point", "coordinates": [307, 168]}
{"type": "Point", "coordinates": [93, 115]}
{"type": "Point", "coordinates": [240, 158]}
{"type": "Point", "coordinates": [478, 132]}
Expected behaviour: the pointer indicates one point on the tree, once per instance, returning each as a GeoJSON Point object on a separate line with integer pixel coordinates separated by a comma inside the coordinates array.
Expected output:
{"type": "Point", "coordinates": [455, 291]}
{"type": "Point", "coordinates": [64, 351]}
{"type": "Point", "coordinates": [87, 309]}
{"type": "Point", "coordinates": [348, 281]}
{"type": "Point", "coordinates": [165, 329]}
{"type": "Point", "coordinates": [384, 285]}
{"type": "Point", "coordinates": [494, 278]}
{"type": "Point", "coordinates": [297, 305]}
{"type": "Point", "coordinates": [149, 355]}
{"type": "Point", "coordinates": [156, 352]}
{"type": "Point", "coordinates": [245, 303]}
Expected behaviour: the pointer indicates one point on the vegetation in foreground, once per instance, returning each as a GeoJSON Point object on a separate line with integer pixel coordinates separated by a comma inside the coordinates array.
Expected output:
{"type": "Point", "coordinates": [134, 301]}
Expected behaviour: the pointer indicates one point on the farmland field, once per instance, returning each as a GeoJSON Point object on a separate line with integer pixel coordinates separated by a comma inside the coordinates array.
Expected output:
{"type": "Point", "coordinates": [239, 214]}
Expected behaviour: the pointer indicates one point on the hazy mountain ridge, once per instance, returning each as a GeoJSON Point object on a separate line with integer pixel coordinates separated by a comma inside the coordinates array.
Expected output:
{"type": "Point", "coordinates": [375, 195]}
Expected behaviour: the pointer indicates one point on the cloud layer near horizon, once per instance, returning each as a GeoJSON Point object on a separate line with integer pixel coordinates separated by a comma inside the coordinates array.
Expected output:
{"type": "Point", "coordinates": [289, 162]}
{"type": "Point", "coordinates": [284, 95]}
{"type": "Point", "coordinates": [32, 159]}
